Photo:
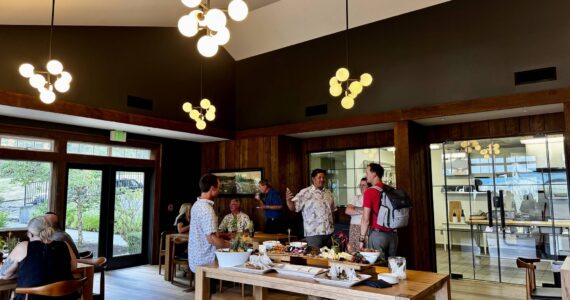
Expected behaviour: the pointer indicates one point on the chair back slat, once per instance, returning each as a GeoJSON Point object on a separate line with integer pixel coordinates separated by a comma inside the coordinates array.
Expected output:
{"type": "Point", "coordinates": [56, 289]}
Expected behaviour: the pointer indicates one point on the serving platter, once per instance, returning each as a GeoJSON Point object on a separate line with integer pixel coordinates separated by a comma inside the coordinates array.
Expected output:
{"type": "Point", "coordinates": [300, 271]}
{"type": "Point", "coordinates": [243, 268]}
{"type": "Point", "coordinates": [322, 278]}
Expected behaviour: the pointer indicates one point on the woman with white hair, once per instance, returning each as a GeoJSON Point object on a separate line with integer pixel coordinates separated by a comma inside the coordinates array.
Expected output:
{"type": "Point", "coordinates": [41, 260]}
{"type": "Point", "coordinates": [182, 221]}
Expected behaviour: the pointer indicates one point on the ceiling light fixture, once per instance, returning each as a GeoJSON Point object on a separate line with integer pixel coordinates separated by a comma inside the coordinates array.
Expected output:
{"type": "Point", "coordinates": [352, 87]}
{"type": "Point", "coordinates": [213, 21]}
{"type": "Point", "coordinates": [54, 77]}
{"type": "Point", "coordinates": [206, 111]}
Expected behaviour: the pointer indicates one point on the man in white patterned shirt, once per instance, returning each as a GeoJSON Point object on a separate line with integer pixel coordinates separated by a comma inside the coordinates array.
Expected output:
{"type": "Point", "coordinates": [203, 236]}
{"type": "Point", "coordinates": [317, 206]}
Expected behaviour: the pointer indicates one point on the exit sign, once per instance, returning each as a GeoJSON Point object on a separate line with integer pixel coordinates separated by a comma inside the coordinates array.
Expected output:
{"type": "Point", "coordinates": [118, 136]}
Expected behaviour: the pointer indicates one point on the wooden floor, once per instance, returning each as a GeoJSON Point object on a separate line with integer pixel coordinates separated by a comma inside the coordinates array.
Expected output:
{"type": "Point", "coordinates": [144, 283]}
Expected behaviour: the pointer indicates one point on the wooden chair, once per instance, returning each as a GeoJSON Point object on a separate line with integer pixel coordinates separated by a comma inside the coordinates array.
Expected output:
{"type": "Point", "coordinates": [56, 289]}
{"type": "Point", "coordinates": [85, 254]}
{"type": "Point", "coordinates": [100, 264]}
{"type": "Point", "coordinates": [161, 249]}
{"type": "Point", "coordinates": [533, 292]}
{"type": "Point", "coordinates": [175, 260]}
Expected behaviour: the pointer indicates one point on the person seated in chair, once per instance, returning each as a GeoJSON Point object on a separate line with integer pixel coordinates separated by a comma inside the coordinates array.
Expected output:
{"type": "Point", "coordinates": [235, 221]}
{"type": "Point", "coordinates": [41, 260]}
{"type": "Point", "coordinates": [182, 221]}
{"type": "Point", "coordinates": [59, 234]}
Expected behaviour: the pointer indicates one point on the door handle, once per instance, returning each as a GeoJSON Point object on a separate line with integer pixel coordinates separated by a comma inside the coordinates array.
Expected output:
{"type": "Point", "coordinates": [489, 209]}
{"type": "Point", "coordinates": [502, 207]}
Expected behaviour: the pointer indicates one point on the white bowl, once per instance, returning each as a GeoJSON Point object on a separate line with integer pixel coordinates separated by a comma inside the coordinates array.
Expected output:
{"type": "Point", "coordinates": [269, 244]}
{"type": "Point", "coordinates": [298, 244]}
{"type": "Point", "coordinates": [389, 277]}
{"type": "Point", "coordinates": [231, 259]}
{"type": "Point", "coordinates": [371, 257]}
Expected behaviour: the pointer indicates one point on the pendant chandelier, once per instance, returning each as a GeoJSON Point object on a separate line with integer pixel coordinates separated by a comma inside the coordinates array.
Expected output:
{"type": "Point", "coordinates": [206, 111]}
{"type": "Point", "coordinates": [342, 84]}
{"type": "Point", "coordinates": [54, 78]}
{"type": "Point", "coordinates": [213, 21]}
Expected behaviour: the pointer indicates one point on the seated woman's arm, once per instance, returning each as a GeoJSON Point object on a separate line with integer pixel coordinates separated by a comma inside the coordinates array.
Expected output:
{"type": "Point", "coordinates": [181, 228]}
{"type": "Point", "coordinates": [73, 258]}
{"type": "Point", "coordinates": [9, 268]}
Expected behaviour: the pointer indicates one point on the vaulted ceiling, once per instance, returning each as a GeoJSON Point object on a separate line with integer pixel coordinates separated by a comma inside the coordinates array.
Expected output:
{"type": "Point", "coordinates": [271, 25]}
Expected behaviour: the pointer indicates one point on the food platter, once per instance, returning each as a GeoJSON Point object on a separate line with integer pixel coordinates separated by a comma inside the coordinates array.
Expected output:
{"type": "Point", "coordinates": [322, 278]}
{"type": "Point", "coordinates": [246, 268]}
{"type": "Point", "coordinates": [300, 271]}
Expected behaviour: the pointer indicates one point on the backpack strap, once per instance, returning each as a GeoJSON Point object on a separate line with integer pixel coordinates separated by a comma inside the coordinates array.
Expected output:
{"type": "Point", "coordinates": [380, 190]}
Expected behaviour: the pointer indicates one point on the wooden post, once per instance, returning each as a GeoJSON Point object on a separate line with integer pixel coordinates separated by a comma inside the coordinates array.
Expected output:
{"type": "Point", "coordinates": [413, 174]}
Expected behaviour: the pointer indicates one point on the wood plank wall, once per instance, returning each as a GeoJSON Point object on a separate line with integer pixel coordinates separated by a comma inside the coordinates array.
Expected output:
{"type": "Point", "coordinates": [279, 157]}
{"type": "Point", "coordinates": [516, 126]}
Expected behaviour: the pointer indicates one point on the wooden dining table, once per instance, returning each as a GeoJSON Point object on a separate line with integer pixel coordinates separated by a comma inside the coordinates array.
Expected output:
{"type": "Point", "coordinates": [258, 237]}
{"type": "Point", "coordinates": [418, 285]}
{"type": "Point", "coordinates": [83, 270]}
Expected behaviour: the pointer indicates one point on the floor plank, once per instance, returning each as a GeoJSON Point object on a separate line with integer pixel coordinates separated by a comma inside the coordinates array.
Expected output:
{"type": "Point", "coordinates": [147, 284]}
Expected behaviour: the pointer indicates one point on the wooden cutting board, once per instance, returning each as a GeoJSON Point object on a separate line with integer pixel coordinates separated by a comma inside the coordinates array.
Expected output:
{"type": "Point", "coordinates": [455, 207]}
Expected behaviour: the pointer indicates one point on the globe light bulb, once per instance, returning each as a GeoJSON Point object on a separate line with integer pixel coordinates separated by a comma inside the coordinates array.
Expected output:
{"type": "Point", "coordinates": [333, 81]}
{"type": "Point", "coordinates": [207, 46]}
{"type": "Point", "coordinates": [201, 125]}
{"type": "Point", "coordinates": [216, 19]}
{"type": "Point", "coordinates": [26, 70]}
{"type": "Point", "coordinates": [355, 87]}
{"type": "Point", "coordinates": [54, 67]}
{"type": "Point", "coordinates": [65, 76]}
{"type": "Point", "coordinates": [205, 103]}
{"type": "Point", "coordinates": [212, 109]}
{"type": "Point", "coordinates": [210, 116]}
{"type": "Point", "coordinates": [342, 74]}
{"type": "Point", "coordinates": [187, 107]}
{"type": "Point", "coordinates": [191, 3]}
{"type": "Point", "coordinates": [37, 81]}
{"type": "Point", "coordinates": [222, 37]}
{"type": "Point", "coordinates": [366, 79]}
{"type": "Point", "coordinates": [194, 114]}
{"type": "Point", "coordinates": [61, 86]}
{"type": "Point", "coordinates": [335, 90]}
{"type": "Point", "coordinates": [47, 96]}
{"type": "Point", "coordinates": [238, 10]}
{"type": "Point", "coordinates": [347, 102]}
{"type": "Point", "coordinates": [188, 26]}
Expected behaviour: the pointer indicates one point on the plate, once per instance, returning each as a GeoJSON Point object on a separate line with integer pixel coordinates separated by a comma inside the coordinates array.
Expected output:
{"type": "Point", "coordinates": [296, 270]}
{"type": "Point", "coordinates": [243, 268]}
{"type": "Point", "coordinates": [321, 278]}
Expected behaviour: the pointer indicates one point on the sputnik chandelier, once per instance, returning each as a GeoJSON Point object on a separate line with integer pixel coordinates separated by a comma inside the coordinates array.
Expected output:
{"type": "Point", "coordinates": [205, 111]}
{"type": "Point", "coordinates": [352, 87]}
{"type": "Point", "coordinates": [491, 149]}
{"type": "Point", "coordinates": [54, 77]}
{"type": "Point", "coordinates": [213, 21]}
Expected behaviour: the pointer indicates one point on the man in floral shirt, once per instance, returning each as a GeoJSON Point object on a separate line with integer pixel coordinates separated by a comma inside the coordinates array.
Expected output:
{"type": "Point", "coordinates": [235, 221]}
{"type": "Point", "coordinates": [317, 205]}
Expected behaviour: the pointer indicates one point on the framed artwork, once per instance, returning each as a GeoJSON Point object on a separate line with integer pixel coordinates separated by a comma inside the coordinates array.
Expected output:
{"type": "Point", "coordinates": [239, 182]}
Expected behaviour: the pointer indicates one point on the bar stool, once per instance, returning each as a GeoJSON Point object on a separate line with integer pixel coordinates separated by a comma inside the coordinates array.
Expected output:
{"type": "Point", "coordinates": [176, 260]}
{"type": "Point", "coordinates": [161, 250]}
{"type": "Point", "coordinates": [100, 264]}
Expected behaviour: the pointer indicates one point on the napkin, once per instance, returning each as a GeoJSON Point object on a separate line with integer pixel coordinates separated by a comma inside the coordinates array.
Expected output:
{"type": "Point", "coordinates": [377, 283]}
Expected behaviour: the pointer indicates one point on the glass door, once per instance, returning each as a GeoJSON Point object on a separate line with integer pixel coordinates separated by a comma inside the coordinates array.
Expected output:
{"type": "Point", "coordinates": [106, 212]}
{"type": "Point", "coordinates": [499, 199]}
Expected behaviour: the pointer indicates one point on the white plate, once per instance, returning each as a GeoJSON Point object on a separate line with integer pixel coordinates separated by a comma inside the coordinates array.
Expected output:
{"type": "Point", "coordinates": [296, 270]}
{"type": "Point", "coordinates": [243, 268]}
{"type": "Point", "coordinates": [321, 278]}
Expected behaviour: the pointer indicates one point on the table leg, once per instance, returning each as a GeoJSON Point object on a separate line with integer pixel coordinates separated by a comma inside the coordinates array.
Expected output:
{"type": "Point", "coordinates": [444, 292]}
{"type": "Point", "coordinates": [167, 275]}
{"type": "Point", "coordinates": [259, 293]}
{"type": "Point", "coordinates": [202, 291]}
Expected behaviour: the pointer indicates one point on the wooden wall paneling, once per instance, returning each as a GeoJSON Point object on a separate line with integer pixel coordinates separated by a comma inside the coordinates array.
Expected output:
{"type": "Point", "coordinates": [497, 127]}
{"type": "Point", "coordinates": [512, 126]}
{"type": "Point", "coordinates": [567, 139]}
{"type": "Point", "coordinates": [416, 241]}
{"type": "Point", "coordinates": [537, 123]}
{"type": "Point", "coordinates": [554, 122]}
{"type": "Point", "coordinates": [524, 125]}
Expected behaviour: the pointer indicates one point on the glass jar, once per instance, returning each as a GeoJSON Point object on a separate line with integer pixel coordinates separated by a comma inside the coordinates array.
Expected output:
{"type": "Point", "coordinates": [397, 265]}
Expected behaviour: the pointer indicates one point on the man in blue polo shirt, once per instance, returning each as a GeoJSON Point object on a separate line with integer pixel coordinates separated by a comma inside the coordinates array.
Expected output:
{"type": "Point", "coordinates": [272, 206]}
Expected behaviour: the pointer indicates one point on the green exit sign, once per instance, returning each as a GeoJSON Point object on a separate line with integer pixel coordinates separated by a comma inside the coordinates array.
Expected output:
{"type": "Point", "coordinates": [118, 136]}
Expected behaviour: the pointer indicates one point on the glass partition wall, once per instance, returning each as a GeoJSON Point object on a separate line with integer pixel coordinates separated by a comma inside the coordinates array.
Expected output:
{"type": "Point", "coordinates": [345, 169]}
{"type": "Point", "coordinates": [499, 199]}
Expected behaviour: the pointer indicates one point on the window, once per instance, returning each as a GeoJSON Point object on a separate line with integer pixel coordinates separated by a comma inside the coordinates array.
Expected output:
{"type": "Point", "coordinates": [25, 143]}
{"type": "Point", "coordinates": [346, 168]}
{"type": "Point", "coordinates": [107, 150]}
{"type": "Point", "coordinates": [24, 191]}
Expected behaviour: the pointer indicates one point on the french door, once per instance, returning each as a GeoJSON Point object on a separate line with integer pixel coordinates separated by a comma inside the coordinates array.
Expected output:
{"type": "Point", "coordinates": [107, 212]}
